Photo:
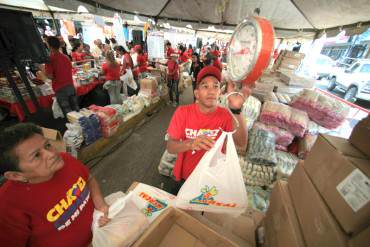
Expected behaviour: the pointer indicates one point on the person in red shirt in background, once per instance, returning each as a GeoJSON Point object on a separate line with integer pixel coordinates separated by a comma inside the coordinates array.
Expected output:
{"type": "Point", "coordinates": [59, 70]}
{"type": "Point", "coordinates": [126, 70]}
{"type": "Point", "coordinates": [111, 69]}
{"type": "Point", "coordinates": [190, 51]}
{"type": "Point", "coordinates": [194, 128]}
{"type": "Point", "coordinates": [49, 197]}
{"type": "Point", "coordinates": [173, 78]}
{"type": "Point", "coordinates": [169, 50]}
{"type": "Point", "coordinates": [78, 52]}
{"type": "Point", "coordinates": [183, 58]}
{"type": "Point", "coordinates": [142, 63]}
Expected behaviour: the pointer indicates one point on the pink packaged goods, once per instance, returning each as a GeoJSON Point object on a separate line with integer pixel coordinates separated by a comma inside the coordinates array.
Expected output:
{"type": "Point", "coordinates": [282, 137]}
{"type": "Point", "coordinates": [108, 118]}
{"type": "Point", "coordinates": [323, 110]}
{"type": "Point", "coordinates": [286, 117]}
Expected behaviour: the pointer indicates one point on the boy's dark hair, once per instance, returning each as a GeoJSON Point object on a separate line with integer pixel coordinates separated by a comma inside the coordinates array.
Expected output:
{"type": "Point", "coordinates": [10, 138]}
{"type": "Point", "coordinates": [53, 42]}
{"type": "Point", "coordinates": [168, 43]}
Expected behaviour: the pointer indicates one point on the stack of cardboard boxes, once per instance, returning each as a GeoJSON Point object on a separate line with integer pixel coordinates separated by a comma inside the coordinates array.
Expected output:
{"type": "Point", "coordinates": [326, 199]}
{"type": "Point", "coordinates": [288, 61]}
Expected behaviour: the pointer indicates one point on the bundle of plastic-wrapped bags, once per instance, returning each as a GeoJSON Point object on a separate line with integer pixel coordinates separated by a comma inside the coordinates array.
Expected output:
{"type": "Point", "coordinates": [286, 163]}
{"type": "Point", "coordinates": [109, 119]}
{"type": "Point", "coordinates": [90, 125]}
{"type": "Point", "coordinates": [258, 198]}
{"type": "Point", "coordinates": [73, 138]}
{"type": "Point", "coordinates": [255, 174]}
{"type": "Point", "coordinates": [261, 147]}
{"type": "Point", "coordinates": [286, 117]}
{"type": "Point", "coordinates": [251, 109]}
{"type": "Point", "coordinates": [282, 137]}
{"type": "Point", "coordinates": [167, 163]}
{"type": "Point", "coordinates": [325, 111]}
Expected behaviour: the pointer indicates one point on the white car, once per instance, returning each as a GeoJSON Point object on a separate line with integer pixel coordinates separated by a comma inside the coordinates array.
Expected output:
{"type": "Point", "coordinates": [318, 67]}
{"type": "Point", "coordinates": [354, 81]}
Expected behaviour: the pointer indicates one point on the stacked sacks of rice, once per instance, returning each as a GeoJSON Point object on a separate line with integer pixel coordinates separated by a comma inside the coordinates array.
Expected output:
{"type": "Point", "coordinates": [167, 163]}
{"type": "Point", "coordinates": [283, 138]}
{"type": "Point", "coordinates": [285, 117]}
{"type": "Point", "coordinates": [323, 110]}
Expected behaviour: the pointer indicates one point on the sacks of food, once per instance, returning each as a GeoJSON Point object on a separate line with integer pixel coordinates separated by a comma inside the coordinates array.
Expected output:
{"type": "Point", "coordinates": [261, 147]}
{"type": "Point", "coordinates": [73, 138]}
{"type": "Point", "coordinates": [286, 117]}
{"type": "Point", "coordinates": [167, 163]}
{"type": "Point", "coordinates": [325, 111]}
{"type": "Point", "coordinates": [91, 128]}
{"type": "Point", "coordinates": [126, 223]}
{"type": "Point", "coordinates": [258, 198]}
{"type": "Point", "coordinates": [286, 163]}
{"type": "Point", "coordinates": [282, 137]}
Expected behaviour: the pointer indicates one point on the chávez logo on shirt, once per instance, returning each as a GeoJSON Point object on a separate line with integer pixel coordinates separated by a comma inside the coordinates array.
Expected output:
{"type": "Point", "coordinates": [192, 134]}
{"type": "Point", "coordinates": [70, 207]}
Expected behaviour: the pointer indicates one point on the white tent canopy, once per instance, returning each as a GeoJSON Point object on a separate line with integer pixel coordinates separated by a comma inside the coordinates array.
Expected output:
{"type": "Point", "coordinates": [289, 17]}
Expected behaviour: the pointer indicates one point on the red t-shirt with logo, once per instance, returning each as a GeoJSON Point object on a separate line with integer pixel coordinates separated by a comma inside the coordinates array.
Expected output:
{"type": "Point", "coordinates": [55, 213]}
{"type": "Point", "coordinates": [61, 69]}
{"type": "Point", "coordinates": [188, 123]}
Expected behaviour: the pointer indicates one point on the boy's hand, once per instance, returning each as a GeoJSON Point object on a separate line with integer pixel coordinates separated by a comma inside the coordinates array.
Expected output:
{"type": "Point", "coordinates": [236, 101]}
{"type": "Point", "coordinates": [202, 142]}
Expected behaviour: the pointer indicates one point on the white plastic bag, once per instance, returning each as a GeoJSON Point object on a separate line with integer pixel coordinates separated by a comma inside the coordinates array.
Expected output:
{"type": "Point", "coordinates": [152, 201]}
{"type": "Point", "coordinates": [126, 225]}
{"type": "Point", "coordinates": [128, 79]}
{"type": "Point", "coordinates": [57, 111]}
{"type": "Point", "coordinates": [216, 184]}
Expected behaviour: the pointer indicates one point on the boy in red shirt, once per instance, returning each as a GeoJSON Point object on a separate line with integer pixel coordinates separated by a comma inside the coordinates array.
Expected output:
{"type": "Point", "coordinates": [194, 128]}
{"type": "Point", "coordinates": [49, 197]}
{"type": "Point", "coordinates": [59, 70]}
{"type": "Point", "coordinates": [173, 78]}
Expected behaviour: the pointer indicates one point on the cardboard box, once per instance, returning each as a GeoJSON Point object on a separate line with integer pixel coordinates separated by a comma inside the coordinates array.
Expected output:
{"type": "Point", "coordinates": [148, 86]}
{"type": "Point", "coordinates": [341, 175]}
{"type": "Point", "coordinates": [360, 137]}
{"type": "Point", "coordinates": [292, 61]}
{"type": "Point", "coordinates": [281, 223]}
{"type": "Point", "coordinates": [319, 228]}
{"type": "Point", "coordinates": [55, 138]}
{"type": "Point", "coordinates": [293, 54]}
{"type": "Point", "coordinates": [360, 240]}
{"type": "Point", "coordinates": [176, 228]}
{"type": "Point", "coordinates": [239, 230]}
{"type": "Point", "coordinates": [286, 65]}
{"type": "Point", "coordinates": [294, 80]}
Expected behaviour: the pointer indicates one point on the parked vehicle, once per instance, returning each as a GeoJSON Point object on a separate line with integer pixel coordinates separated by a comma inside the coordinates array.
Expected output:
{"type": "Point", "coordinates": [317, 68]}
{"type": "Point", "coordinates": [354, 81]}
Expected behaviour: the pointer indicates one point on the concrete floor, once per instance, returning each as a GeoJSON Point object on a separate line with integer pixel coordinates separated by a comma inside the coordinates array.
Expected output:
{"type": "Point", "coordinates": [137, 158]}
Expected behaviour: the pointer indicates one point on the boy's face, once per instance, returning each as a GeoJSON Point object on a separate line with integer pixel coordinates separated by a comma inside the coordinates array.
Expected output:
{"type": "Point", "coordinates": [208, 91]}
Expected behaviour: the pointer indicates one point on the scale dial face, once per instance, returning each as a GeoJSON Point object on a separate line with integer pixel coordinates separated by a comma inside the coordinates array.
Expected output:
{"type": "Point", "coordinates": [250, 49]}
{"type": "Point", "coordinates": [243, 51]}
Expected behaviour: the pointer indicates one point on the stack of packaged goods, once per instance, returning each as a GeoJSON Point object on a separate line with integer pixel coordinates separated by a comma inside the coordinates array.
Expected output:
{"type": "Point", "coordinates": [257, 175]}
{"type": "Point", "coordinates": [288, 61]}
{"type": "Point", "coordinates": [251, 110]}
{"type": "Point", "coordinates": [323, 110]}
{"type": "Point", "coordinates": [286, 162]}
{"type": "Point", "coordinates": [73, 138]}
{"type": "Point", "coordinates": [7, 94]}
{"type": "Point", "coordinates": [109, 119]}
{"type": "Point", "coordinates": [167, 163]}
{"type": "Point", "coordinates": [90, 125]}
{"type": "Point", "coordinates": [283, 116]}
{"type": "Point", "coordinates": [258, 198]}
{"type": "Point", "coordinates": [149, 87]}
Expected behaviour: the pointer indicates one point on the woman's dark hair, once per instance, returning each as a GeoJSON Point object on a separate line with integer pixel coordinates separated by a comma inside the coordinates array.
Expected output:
{"type": "Point", "coordinates": [53, 42]}
{"type": "Point", "coordinates": [121, 49]}
{"type": "Point", "coordinates": [113, 40]}
{"type": "Point", "coordinates": [107, 41]}
{"type": "Point", "coordinates": [190, 46]}
{"type": "Point", "coordinates": [182, 49]}
{"type": "Point", "coordinates": [168, 43]}
{"type": "Point", "coordinates": [197, 55]}
{"type": "Point", "coordinates": [10, 138]}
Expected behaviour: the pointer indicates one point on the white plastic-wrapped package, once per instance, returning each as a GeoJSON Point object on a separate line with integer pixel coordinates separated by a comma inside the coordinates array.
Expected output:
{"type": "Point", "coordinates": [167, 163]}
{"type": "Point", "coordinates": [261, 147]}
{"type": "Point", "coordinates": [323, 110]}
{"type": "Point", "coordinates": [251, 109]}
{"type": "Point", "coordinates": [126, 225]}
{"type": "Point", "coordinates": [305, 145]}
{"type": "Point", "coordinates": [284, 116]}
{"type": "Point", "coordinates": [258, 198]}
{"type": "Point", "coordinates": [57, 111]}
{"type": "Point", "coordinates": [286, 163]}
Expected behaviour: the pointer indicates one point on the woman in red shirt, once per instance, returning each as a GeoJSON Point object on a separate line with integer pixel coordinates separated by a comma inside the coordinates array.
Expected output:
{"type": "Point", "coordinates": [77, 53]}
{"type": "Point", "coordinates": [142, 62]}
{"type": "Point", "coordinates": [111, 70]}
{"type": "Point", "coordinates": [173, 78]}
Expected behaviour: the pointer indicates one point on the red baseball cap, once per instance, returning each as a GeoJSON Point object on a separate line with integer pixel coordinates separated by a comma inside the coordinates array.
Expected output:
{"type": "Point", "coordinates": [209, 71]}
